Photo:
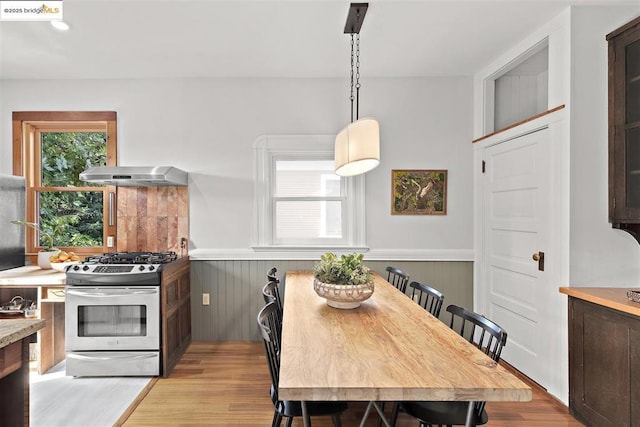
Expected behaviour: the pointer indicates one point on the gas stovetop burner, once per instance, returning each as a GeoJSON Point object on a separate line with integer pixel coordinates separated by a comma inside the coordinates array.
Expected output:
{"type": "Point", "coordinates": [132, 258]}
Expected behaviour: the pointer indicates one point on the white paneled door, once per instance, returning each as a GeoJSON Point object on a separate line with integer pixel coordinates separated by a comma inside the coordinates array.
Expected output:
{"type": "Point", "coordinates": [516, 187]}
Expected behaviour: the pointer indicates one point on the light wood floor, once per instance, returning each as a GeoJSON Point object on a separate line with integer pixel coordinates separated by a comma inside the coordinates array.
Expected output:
{"type": "Point", "coordinates": [227, 384]}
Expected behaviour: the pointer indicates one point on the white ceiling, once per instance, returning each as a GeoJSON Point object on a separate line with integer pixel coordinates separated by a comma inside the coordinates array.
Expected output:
{"type": "Point", "coordinates": [296, 38]}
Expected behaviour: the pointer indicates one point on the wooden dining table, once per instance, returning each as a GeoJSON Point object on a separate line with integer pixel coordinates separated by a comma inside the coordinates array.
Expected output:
{"type": "Point", "coordinates": [388, 349]}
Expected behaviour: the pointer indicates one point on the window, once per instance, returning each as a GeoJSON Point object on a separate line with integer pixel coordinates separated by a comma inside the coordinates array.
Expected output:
{"type": "Point", "coordinates": [299, 200]}
{"type": "Point", "coordinates": [50, 151]}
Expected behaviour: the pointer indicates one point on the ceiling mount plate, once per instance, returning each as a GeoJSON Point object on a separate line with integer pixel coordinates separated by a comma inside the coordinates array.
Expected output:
{"type": "Point", "coordinates": [357, 11]}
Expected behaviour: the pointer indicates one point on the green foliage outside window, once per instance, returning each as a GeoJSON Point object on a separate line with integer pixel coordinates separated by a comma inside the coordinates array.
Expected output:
{"type": "Point", "coordinates": [77, 215]}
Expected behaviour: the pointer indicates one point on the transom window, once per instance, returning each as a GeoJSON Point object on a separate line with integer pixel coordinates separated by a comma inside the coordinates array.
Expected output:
{"type": "Point", "coordinates": [300, 201]}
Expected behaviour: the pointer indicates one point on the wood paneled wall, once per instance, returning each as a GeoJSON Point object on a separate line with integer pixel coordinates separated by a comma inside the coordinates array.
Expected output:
{"type": "Point", "coordinates": [152, 218]}
{"type": "Point", "coordinates": [235, 289]}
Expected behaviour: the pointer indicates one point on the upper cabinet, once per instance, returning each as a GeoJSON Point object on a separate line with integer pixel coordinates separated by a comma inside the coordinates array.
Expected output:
{"type": "Point", "coordinates": [624, 128]}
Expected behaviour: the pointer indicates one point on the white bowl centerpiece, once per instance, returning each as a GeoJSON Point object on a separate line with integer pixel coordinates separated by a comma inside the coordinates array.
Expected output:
{"type": "Point", "coordinates": [344, 282]}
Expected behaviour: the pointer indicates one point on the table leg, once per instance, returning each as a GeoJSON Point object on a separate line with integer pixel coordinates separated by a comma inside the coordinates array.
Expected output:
{"type": "Point", "coordinates": [470, 409]}
{"type": "Point", "coordinates": [305, 415]}
{"type": "Point", "coordinates": [366, 414]}
{"type": "Point", "coordinates": [374, 404]}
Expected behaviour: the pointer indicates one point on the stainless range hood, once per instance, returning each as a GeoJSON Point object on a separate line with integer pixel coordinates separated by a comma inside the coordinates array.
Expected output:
{"type": "Point", "coordinates": [135, 176]}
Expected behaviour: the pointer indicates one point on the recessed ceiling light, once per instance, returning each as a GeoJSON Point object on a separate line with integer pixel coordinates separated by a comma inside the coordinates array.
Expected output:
{"type": "Point", "coordinates": [60, 25]}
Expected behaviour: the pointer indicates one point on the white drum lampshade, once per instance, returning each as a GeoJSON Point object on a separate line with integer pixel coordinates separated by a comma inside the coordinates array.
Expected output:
{"type": "Point", "coordinates": [357, 148]}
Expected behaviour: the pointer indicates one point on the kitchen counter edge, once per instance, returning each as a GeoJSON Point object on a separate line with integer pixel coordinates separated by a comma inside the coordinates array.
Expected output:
{"type": "Point", "coordinates": [15, 330]}
{"type": "Point", "coordinates": [31, 275]}
{"type": "Point", "coordinates": [614, 298]}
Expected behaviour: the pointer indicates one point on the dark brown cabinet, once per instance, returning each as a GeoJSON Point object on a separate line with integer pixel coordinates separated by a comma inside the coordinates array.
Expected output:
{"type": "Point", "coordinates": [604, 365]}
{"type": "Point", "coordinates": [176, 313]}
{"type": "Point", "coordinates": [624, 128]}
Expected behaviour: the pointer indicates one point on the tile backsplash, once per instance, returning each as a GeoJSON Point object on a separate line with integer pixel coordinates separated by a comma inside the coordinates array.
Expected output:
{"type": "Point", "coordinates": [152, 218]}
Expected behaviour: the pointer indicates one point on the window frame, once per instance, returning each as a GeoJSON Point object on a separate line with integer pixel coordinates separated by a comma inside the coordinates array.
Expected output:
{"type": "Point", "coordinates": [323, 215]}
{"type": "Point", "coordinates": [270, 148]}
{"type": "Point", "coordinates": [27, 129]}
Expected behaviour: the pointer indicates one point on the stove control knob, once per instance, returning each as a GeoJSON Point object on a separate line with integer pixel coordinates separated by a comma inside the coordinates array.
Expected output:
{"type": "Point", "coordinates": [85, 268]}
{"type": "Point", "coordinates": [76, 268]}
{"type": "Point", "coordinates": [151, 268]}
{"type": "Point", "coordinates": [141, 268]}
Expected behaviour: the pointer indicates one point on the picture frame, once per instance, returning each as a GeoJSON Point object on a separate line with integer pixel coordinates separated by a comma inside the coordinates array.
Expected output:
{"type": "Point", "coordinates": [419, 192]}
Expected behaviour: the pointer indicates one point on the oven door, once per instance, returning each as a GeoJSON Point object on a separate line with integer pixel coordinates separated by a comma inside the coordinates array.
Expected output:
{"type": "Point", "coordinates": [112, 318]}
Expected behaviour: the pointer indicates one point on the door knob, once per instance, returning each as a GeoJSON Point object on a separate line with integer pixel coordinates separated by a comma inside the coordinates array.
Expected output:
{"type": "Point", "coordinates": [539, 258]}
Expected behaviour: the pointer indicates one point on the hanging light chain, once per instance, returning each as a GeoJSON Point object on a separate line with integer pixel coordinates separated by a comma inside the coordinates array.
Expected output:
{"type": "Point", "coordinates": [357, 76]}
{"type": "Point", "coordinates": [358, 61]}
{"type": "Point", "coordinates": [351, 98]}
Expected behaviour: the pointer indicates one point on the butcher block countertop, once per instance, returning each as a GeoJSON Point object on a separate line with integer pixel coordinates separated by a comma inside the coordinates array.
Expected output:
{"type": "Point", "coordinates": [15, 330]}
{"type": "Point", "coordinates": [614, 298]}
{"type": "Point", "coordinates": [31, 275]}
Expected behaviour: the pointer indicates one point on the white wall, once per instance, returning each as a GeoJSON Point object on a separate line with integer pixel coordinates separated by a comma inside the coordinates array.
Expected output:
{"type": "Point", "coordinates": [207, 127]}
{"type": "Point", "coordinates": [600, 255]}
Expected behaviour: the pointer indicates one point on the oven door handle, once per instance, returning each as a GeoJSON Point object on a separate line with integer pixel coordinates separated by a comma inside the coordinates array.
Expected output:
{"type": "Point", "coordinates": [125, 356]}
{"type": "Point", "coordinates": [92, 294]}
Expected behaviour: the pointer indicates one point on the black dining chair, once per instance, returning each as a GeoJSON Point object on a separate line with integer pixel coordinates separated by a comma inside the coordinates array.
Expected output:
{"type": "Point", "coordinates": [272, 275]}
{"type": "Point", "coordinates": [487, 336]}
{"type": "Point", "coordinates": [271, 292]}
{"type": "Point", "coordinates": [271, 295]}
{"type": "Point", "coordinates": [429, 298]}
{"type": "Point", "coordinates": [397, 278]}
{"type": "Point", "coordinates": [268, 324]}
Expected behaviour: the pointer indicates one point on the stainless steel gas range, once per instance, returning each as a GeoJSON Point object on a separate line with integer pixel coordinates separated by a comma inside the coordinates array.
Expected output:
{"type": "Point", "coordinates": [113, 314]}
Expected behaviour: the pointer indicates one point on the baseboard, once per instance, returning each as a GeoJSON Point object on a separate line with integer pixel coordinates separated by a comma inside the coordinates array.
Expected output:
{"type": "Point", "coordinates": [534, 385]}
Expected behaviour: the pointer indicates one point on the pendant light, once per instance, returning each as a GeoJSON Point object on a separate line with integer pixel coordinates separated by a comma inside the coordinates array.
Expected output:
{"type": "Point", "coordinates": [357, 147]}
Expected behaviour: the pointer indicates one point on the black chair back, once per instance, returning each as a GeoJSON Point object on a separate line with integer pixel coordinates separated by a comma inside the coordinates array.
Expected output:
{"type": "Point", "coordinates": [269, 325]}
{"type": "Point", "coordinates": [429, 298]}
{"type": "Point", "coordinates": [271, 292]}
{"type": "Point", "coordinates": [397, 278]}
{"type": "Point", "coordinates": [491, 338]}
{"type": "Point", "coordinates": [272, 275]}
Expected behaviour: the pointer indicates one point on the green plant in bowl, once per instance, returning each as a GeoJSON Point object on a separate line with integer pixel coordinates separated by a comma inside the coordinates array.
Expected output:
{"type": "Point", "coordinates": [343, 270]}
{"type": "Point", "coordinates": [343, 281]}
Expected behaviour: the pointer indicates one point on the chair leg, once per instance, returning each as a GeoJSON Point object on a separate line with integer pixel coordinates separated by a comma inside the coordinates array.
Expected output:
{"type": "Point", "coordinates": [336, 421]}
{"type": "Point", "coordinates": [289, 421]}
{"type": "Point", "coordinates": [379, 424]}
{"type": "Point", "coordinates": [277, 419]}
